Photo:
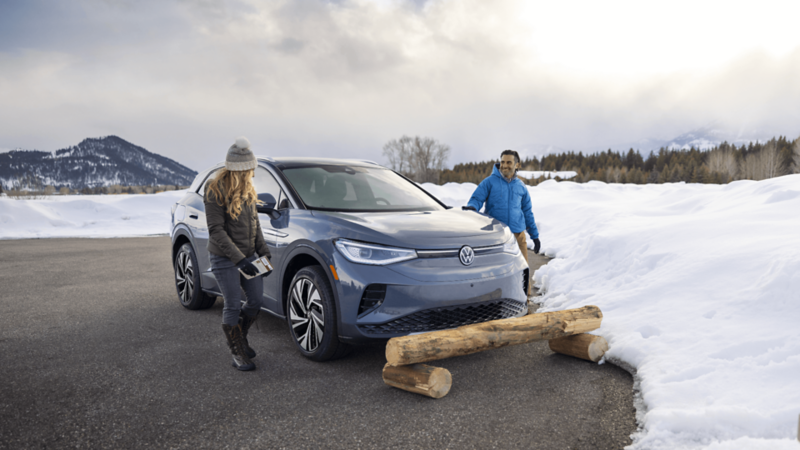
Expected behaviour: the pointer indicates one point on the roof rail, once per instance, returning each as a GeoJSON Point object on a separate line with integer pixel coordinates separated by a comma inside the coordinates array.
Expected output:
{"type": "Point", "coordinates": [368, 161]}
{"type": "Point", "coordinates": [265, 158]}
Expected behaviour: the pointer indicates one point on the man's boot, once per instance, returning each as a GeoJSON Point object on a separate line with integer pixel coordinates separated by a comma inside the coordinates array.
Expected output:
{"type": "Point", "coordinates": [246, 322]}
{"type": "Point", "coordinates": [236, 344]}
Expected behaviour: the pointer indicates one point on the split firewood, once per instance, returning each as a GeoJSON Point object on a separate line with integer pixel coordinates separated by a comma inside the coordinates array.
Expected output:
{"type": "Point", "coordinates": [584, 346]}
{"type": "Point", "coordinates": [478, 337]}
{"type": "Point", "coordinates": [430, 381]}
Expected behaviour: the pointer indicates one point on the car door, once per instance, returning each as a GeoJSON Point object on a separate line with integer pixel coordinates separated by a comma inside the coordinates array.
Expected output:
{"type": "Point", "coordinates": [196, 220]}
{"type": "Point", "coordinates": [265, 183]}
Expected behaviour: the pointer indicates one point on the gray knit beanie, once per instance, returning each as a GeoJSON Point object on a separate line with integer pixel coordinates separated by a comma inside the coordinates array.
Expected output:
{"type": "Point", "coordinates": [240, 157]}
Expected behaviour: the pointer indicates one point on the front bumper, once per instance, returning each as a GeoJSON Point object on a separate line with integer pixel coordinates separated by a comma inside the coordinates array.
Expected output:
{"type": "Point", "coordinates": [493, 288]}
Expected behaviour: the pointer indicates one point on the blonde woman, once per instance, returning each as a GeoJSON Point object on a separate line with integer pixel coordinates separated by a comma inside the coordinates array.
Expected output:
{"type": "Point", "coordinates": [234, 241]}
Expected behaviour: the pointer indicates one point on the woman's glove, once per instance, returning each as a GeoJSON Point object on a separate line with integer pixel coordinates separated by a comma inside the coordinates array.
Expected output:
{"type": "Point", "coordinates": [247, 267]}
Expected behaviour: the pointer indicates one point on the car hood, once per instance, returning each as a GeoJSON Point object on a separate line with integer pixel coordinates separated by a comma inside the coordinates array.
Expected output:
{"type": "Point", "coordinates": [419, 230]}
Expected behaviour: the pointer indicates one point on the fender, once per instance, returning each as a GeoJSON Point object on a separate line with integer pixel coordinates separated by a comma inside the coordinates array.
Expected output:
{"type": "Point", "coordinates": [177, 232]}
{"type": "Point", "coordinates": [312, 249]}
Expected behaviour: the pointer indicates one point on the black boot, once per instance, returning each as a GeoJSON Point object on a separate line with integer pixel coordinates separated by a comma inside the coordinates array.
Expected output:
{"type": "Point", "coordinates": [236, 344]}
{"type": "Point", "coordinates": [246, 322]}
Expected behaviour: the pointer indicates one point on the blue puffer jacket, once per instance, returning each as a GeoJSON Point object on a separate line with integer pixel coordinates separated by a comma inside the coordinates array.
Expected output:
{"type": "Point", "coordinates": [507, 201]}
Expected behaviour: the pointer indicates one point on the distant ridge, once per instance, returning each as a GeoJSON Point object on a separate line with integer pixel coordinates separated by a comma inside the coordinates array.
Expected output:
{"type": "Point", "coordinates": [95, 162]}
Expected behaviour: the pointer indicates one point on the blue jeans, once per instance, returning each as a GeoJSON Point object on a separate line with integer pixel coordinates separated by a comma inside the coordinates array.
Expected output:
{"type": "Point", "coordinates": [236, 289]}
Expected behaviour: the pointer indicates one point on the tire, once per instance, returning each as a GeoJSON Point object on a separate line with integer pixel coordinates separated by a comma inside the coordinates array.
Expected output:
{"type": "Point", "coordinates": [187, 280]}
{"type": "Point", "coordinates": [311, 315]}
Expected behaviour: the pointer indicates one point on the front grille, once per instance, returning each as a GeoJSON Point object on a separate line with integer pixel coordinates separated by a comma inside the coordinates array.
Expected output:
{"type": "Point", "coordinates": [448, 317]}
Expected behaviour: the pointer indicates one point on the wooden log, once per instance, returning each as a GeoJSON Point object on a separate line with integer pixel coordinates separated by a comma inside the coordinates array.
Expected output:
{"type": "Point", "coordinates": [584, 346]}
{"type": "Point", "coordinates": [421, 379]}
{"type": "Point", "coordinates": [478, 337]}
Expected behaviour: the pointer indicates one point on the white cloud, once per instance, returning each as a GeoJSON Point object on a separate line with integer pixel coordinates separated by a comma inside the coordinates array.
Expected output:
{"type": "Point", "coordinates": [325, 78]}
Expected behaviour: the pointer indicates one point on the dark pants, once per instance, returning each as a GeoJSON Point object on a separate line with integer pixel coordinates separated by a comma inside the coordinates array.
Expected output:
{"type": "Point", "coordinates": [236, 289]}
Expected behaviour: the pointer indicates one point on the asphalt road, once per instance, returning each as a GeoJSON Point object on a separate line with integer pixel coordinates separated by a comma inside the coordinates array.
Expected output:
{"type": "Point", "coordinates": [96, 351]}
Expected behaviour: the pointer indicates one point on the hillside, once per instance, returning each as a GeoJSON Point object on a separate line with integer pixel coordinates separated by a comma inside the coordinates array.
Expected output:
{"type": "Point", "coordinates": [95, 162]}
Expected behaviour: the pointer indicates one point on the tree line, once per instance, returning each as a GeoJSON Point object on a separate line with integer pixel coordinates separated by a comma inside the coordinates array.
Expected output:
{"type": "Point", "coordinates": [721, 164]}
{"type": "Point", "coordinates": [28, 185]}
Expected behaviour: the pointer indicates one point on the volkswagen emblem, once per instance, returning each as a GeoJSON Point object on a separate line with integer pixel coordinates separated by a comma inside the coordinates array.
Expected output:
{"type": "Point", "coordinates": [466, 255]}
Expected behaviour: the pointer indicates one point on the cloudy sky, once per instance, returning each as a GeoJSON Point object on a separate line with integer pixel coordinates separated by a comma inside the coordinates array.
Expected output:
{"type": "Point", "coordinates": [340, 78]}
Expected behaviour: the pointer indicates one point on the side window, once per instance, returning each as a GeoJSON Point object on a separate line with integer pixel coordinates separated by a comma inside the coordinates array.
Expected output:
{"type": "Point", "coordinates": [264, 182]}
{"type": "Point", "coordinates": [202, 190]}
{"type": "Point", "coordinates": [284, 202]}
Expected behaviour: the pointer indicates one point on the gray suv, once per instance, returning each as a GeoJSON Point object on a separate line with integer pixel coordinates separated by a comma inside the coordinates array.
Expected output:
{"type": "Point", "coordinates": [361, 253]}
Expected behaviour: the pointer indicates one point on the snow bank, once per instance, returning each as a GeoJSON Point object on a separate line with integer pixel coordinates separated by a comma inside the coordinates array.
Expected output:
{"type": "Point", "coordinates": [96, 216]}
{"type": "Point", "coordinates": [534, 174]}
{"type": "Point", "coordinates": [700, 290]}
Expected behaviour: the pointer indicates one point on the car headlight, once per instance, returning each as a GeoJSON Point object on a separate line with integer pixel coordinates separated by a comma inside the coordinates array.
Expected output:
{"type": "Point", "coordinates": [511, 246]}
{"type": "Point", "coordinates": [373, 254]}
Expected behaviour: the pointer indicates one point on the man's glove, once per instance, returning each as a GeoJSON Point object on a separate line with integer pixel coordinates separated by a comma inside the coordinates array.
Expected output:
{"type": "Point", "coordinates": [468, 208]}
{"type": "Point", "coordinates": [247, 267]}
{"type": "Point", "coordinates": [536, 246]}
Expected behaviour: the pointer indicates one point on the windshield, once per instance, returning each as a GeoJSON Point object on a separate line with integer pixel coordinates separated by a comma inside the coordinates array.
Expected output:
{"type": "Point", "coordinates": [357, 189]}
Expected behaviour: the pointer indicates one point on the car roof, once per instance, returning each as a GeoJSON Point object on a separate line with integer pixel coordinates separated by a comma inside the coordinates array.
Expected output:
{"type": "Point", "coordinates": [285, 162]}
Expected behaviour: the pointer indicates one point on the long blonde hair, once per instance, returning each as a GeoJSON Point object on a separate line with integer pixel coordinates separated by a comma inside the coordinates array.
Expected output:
{"type": "Point", "coordinates": [238, 190]}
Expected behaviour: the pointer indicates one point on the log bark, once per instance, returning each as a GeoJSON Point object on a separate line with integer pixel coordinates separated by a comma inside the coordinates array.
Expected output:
{"type": "Point", "coordinates": [421, 379]}
{"type": "Point", "coordinates": [478, 337]}
{"type": "Point", "coordinates": [584, 346]}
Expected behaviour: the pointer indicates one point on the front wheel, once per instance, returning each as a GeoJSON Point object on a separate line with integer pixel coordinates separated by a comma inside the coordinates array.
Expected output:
{"type": "Point", "coordinates": [187, 280]}
{"type": "Point", "coordinates": [311, 315]}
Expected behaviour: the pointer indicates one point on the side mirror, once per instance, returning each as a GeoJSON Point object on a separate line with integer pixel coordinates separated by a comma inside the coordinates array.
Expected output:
{"type": "Point", "coordinates": [267, 205]}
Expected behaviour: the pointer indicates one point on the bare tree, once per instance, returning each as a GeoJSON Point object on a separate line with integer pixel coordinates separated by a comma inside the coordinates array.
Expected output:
{"type": "Point", "coordinates": [419, 158]}
{"type": "Point", "coordinates": [764, 164]}
{"type": "Point", "coordinates": [723, 161]}
{"type": "Point", "coordinates": [796, 156]}
{"type": "Point", "coordinates": [398, 153]}
{"type": "Point", "coordinates": [771, 164]}
{"type": "Point", "coordinates": [613, 174]}
{"type": "Point", "coordinates": [429, 157]}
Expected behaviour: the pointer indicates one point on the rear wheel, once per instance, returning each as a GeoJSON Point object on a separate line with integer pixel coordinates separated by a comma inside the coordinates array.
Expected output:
{"type": "Point", "coordinates": [187, 280]}
{"type": "Point", "coordinates": [311, 314]}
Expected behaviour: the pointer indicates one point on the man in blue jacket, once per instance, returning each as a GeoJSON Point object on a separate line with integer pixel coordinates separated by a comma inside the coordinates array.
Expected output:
{"type": "Point", "coordinates": [507, 200]}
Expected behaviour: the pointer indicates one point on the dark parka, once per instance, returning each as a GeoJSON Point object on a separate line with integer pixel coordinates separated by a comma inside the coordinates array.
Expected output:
{"type": "Point", "coordinates": [234, 239]}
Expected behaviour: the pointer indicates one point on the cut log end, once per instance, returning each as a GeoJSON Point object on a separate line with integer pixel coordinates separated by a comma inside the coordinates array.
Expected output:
{"type": "Point", "coordinates": [434, 382]}
{"type": "Point", "coordinates": [584, 346]}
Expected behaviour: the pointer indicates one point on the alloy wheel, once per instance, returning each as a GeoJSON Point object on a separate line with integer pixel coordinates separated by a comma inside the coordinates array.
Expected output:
{"type": "Point", "coordinates": [184, 277]}
{"type": "Point", "coordinates": [307, 314]}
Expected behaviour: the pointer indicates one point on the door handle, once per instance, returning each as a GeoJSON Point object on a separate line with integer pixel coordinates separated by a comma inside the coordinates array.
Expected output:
{"type": "Point", "coordinates": [193, 216]}
{"type": "Point", "coordinates": [272, 232]}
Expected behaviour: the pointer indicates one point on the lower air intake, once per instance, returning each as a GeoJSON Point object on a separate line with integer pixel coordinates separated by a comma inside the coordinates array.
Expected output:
{"type": "Point", "coordinates": [448, 317]}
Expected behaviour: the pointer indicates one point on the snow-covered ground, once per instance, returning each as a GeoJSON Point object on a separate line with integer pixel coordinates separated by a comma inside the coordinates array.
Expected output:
{"type": "Point", "coordinates": [700, 291]}
{"type": "Point", "coordinates": [534, 174]}
{"type": "Point", "coordinates": [699, 286]}
{"type": "Point", "coordinates": [96, 216]}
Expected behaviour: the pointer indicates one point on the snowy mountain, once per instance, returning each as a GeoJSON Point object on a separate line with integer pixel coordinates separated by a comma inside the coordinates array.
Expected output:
{"type": "Point", "coordinates": [711, 136]}
{"type": "Point", "coordinates": [705, 138]}
{"type": "Point", "coordinates": [94, 162]}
